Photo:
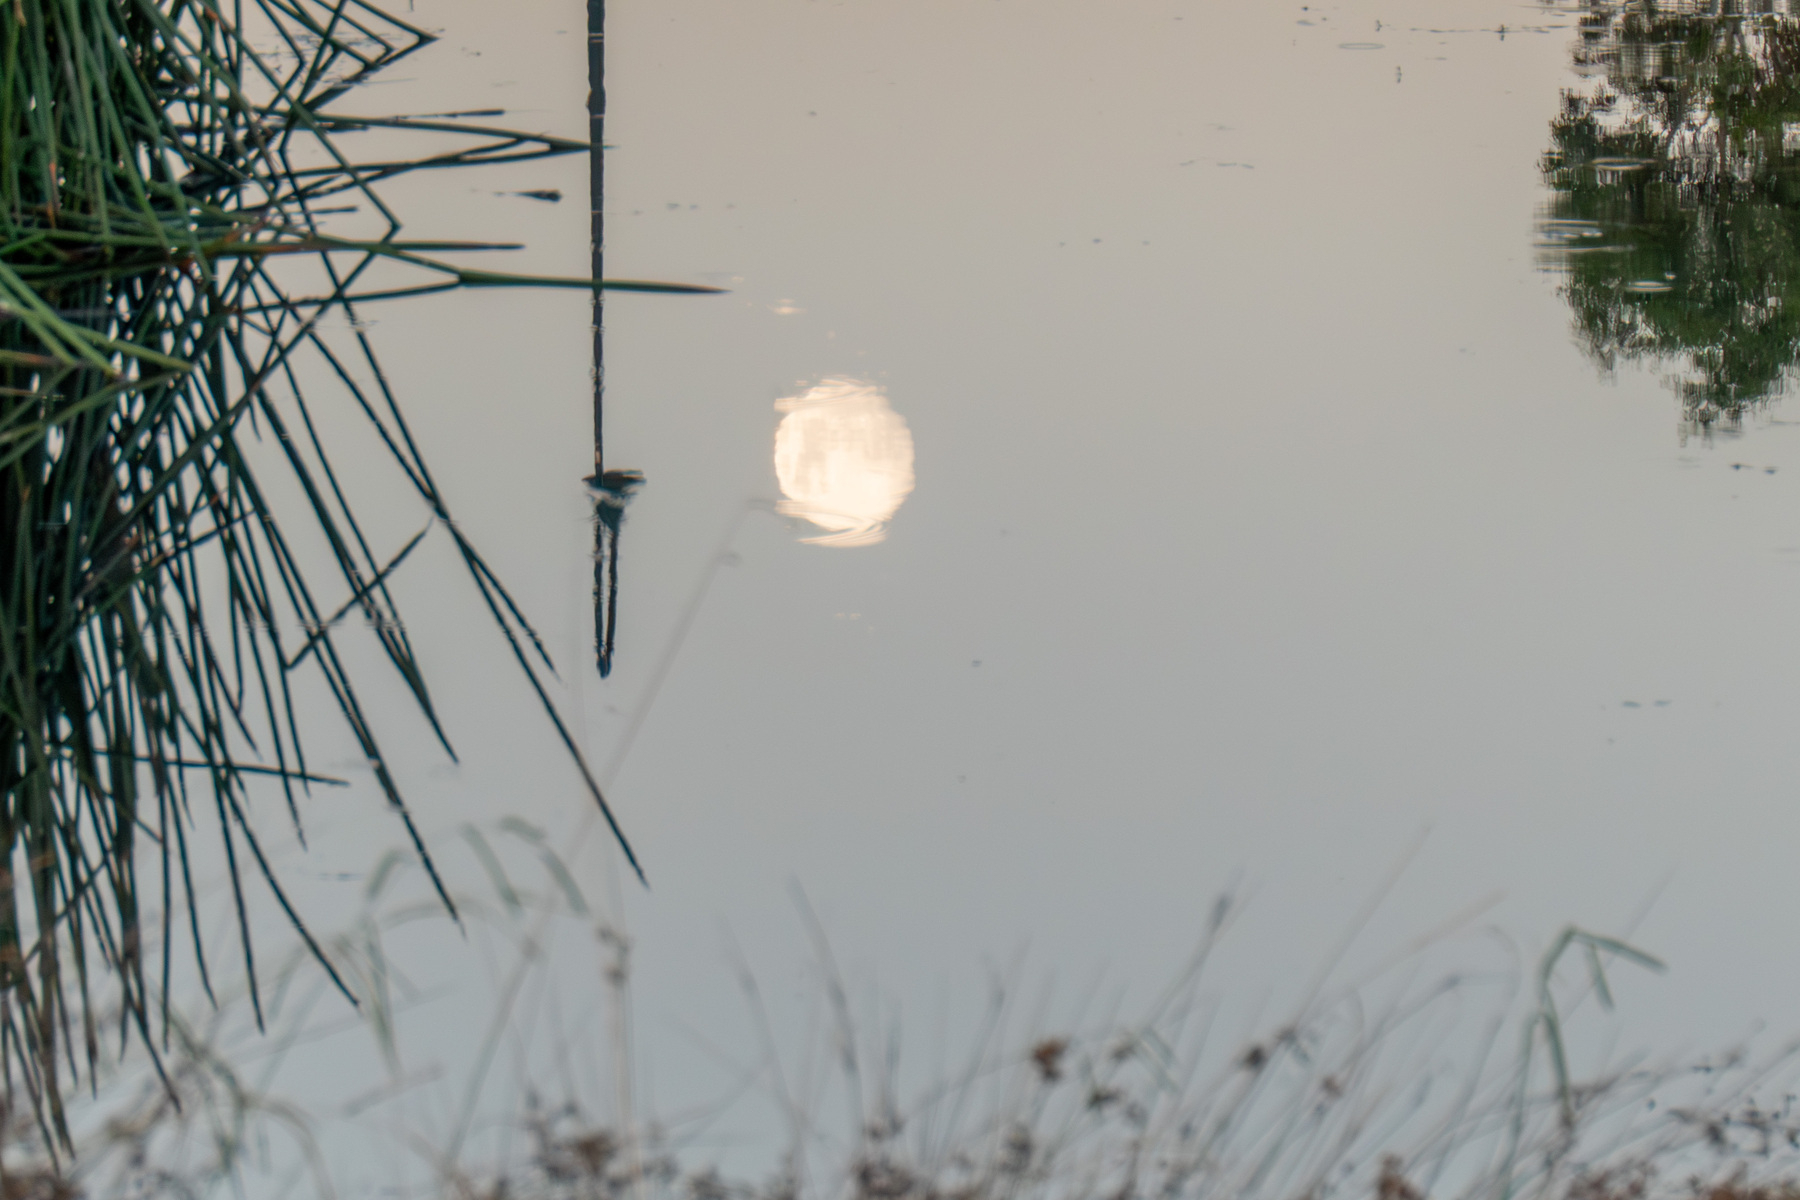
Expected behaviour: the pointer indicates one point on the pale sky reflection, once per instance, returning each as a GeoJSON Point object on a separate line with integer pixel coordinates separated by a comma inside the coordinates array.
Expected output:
{"type": "Point", "coordinates": [844, 460]}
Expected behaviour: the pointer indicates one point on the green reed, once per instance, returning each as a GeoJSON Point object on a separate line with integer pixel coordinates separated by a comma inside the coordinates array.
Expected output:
{"type": "Point", "coordinates": [167, 168]}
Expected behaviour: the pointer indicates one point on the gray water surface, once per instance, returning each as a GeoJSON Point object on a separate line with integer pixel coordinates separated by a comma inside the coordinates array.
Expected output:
{"type": "Point", "coordinates": [1267, 512]}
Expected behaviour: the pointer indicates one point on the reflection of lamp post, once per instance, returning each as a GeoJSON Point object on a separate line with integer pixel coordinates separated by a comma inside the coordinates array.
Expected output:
{"type": "Point", "coordinates": [844, 460]}
{"type": "Point", "coordinates": [612, 490]}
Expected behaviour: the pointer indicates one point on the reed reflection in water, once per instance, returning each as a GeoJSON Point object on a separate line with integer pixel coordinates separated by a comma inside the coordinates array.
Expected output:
{"type": "Point", "coordinates": [844, 460]}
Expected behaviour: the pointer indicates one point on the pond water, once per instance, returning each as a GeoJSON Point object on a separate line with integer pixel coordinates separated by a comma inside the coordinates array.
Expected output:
{"type": "Point", "coordinates": [1146, 449]}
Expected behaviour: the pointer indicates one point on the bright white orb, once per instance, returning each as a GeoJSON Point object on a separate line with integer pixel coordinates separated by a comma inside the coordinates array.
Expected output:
{"type": "Point", "coordinates": [844, 460]}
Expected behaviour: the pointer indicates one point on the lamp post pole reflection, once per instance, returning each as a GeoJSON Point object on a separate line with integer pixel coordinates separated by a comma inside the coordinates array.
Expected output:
{"type": "Point", "coordinates": [611, 490]}
{"type": "Point", "coordinates": [844, 460]}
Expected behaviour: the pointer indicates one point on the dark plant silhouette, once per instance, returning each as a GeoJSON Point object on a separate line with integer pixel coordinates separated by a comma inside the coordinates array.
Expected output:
{"type": "Point", "coordinates": [175, 309]}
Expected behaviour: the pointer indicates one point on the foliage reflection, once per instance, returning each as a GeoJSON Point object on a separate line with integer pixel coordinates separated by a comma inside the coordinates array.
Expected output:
{"type": "Point", "coordinates": [1675, 198]}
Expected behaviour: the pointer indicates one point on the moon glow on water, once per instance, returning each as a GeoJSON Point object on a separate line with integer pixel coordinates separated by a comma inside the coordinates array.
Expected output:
{"type": "Point", "coordinates": [844, 460]}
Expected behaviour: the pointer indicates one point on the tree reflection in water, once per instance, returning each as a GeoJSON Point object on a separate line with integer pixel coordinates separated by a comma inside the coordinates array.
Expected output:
{"type": "Point", "coordinates": [1675, 206]}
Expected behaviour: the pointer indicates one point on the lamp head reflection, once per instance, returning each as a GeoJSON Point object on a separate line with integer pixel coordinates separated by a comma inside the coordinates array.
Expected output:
{"type": "Point", "coordinates": [844, 460]}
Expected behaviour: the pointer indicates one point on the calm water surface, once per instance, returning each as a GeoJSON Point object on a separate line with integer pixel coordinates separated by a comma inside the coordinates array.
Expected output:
{"type": "Point", "coordinates": [1147, 448]}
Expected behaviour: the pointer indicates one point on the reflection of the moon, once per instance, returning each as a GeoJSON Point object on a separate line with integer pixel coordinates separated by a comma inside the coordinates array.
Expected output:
{"type": "Point", "coordinates": [844, 460]}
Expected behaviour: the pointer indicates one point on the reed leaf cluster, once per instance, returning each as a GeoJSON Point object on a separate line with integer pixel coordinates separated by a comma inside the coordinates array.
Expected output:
{"type": "Point", "coordinates": [168, 171]}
